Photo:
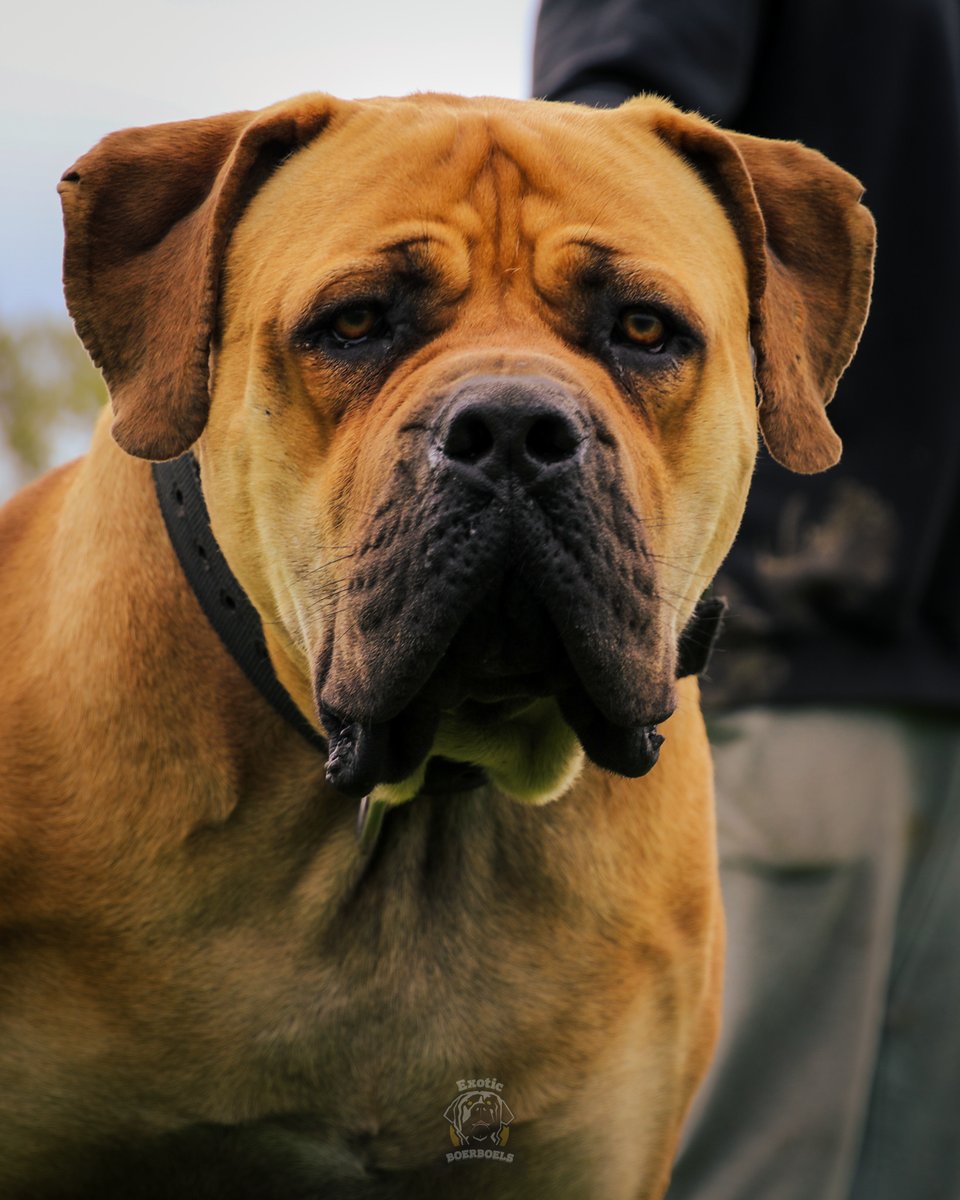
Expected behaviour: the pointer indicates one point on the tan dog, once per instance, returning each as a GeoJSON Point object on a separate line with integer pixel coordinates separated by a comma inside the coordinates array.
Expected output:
{"type": "Point", "coordinates": [471, 388]}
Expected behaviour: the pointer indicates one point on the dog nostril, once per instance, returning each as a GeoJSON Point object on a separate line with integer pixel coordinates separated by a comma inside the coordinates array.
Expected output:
{"type": "Point", "coordinates": [469, 439]}
{"type": "Point", "coordinates": [551, 439]}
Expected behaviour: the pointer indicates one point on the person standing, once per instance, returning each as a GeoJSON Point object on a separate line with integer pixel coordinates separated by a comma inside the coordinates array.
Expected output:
{"type": "Point", "coordinates": [834, 702]}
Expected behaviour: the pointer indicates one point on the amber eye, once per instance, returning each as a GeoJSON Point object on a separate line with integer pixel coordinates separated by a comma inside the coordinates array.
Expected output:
{"type": "Point", "coordinates": [643, 328]}
{"type": "Point", "coordinates": [355, 324]}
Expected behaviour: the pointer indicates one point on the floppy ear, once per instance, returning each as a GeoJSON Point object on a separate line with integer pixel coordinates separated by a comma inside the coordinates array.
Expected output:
{"type": "Point", "coordinates": [808, 245]}
{"type": "Point", "coordinates": [147, 216]}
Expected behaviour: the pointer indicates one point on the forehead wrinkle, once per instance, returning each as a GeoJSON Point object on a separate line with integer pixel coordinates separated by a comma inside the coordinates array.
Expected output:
{"type": "Point", "coordinates": [497, 195]}
{"type": "Point", "coordinates": [571, 168]}
{"type": "Point", "coordinates": [620, 176]}
{"type": "Point", "coordinates": [476, 184]}
{"type": "Point", "coordinates": [406, 245]}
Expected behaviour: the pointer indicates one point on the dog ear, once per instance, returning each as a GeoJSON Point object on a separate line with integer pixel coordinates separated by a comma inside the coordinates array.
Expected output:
{"type": "Point", "coordinates": [147, 217]}
{"type": "Point", "coordinates": [808, 245]}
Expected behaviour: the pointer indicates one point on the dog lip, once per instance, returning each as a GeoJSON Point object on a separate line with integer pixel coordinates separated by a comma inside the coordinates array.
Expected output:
{"type": "Point", "coordinates": [471, 678]}
{"type": "Point", "coordinates": [629, 749]}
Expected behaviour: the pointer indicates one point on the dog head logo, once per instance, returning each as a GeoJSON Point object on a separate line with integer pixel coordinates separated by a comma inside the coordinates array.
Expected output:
{"type": "Point", "coordinates": [479, 1117]}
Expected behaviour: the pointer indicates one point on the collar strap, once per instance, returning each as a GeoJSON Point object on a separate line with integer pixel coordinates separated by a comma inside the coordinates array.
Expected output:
{"type": "Point", "coordinates": [215, 586]}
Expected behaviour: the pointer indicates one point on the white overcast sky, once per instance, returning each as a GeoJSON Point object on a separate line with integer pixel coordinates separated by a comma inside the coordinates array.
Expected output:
{"type": "Point", "coordinates": [72, 70]}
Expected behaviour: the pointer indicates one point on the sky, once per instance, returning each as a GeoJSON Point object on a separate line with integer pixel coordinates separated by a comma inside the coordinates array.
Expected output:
{"type": "Point", "coordinates": [73, 70]}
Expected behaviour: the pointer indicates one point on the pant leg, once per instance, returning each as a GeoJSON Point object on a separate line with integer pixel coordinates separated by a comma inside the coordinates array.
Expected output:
{"type": "Point", "coordinates": [814, 830]}
{"type": "Point", "coordinates": [911, 1143]}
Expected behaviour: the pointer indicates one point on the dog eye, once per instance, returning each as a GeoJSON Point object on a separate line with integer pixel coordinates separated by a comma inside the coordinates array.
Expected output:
{"type": "Point", "coordinates": [641, 327]}
{"type": "Point", "coordinates": [356, 323]}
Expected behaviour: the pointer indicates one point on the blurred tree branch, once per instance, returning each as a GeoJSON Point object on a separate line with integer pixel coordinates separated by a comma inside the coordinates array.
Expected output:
{"type": "Point", "coordinates": [47, 385]}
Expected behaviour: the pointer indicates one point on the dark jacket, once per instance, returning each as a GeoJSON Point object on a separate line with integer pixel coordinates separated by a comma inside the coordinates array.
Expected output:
{"type": "Point", "coordinates": [845, 586]}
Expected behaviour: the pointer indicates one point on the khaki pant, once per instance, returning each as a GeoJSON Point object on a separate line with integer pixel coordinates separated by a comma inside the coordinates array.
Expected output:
{"type": "Point", "coordinates": [838, 1071]}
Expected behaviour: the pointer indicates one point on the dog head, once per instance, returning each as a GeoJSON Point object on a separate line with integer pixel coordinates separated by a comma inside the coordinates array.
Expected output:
{"type": "Point", "coordinates": [473, 385]}
{"type": "Point", "coordinates": [479, 1117]}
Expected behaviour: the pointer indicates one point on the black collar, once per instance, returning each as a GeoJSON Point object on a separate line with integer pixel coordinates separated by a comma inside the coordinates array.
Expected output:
{"type": "Point", "coordinates": [238, 625]}
{"type": "Point", "coordinates": [221, 597]}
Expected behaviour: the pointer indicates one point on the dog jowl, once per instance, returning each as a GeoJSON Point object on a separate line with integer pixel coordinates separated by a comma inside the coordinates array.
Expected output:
{"type": "Point", "coordinates": [472, 388]}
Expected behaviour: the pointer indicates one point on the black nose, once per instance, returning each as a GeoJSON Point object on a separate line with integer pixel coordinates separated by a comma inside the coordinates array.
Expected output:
{"type": "Point", "coordinates": [500, 427]}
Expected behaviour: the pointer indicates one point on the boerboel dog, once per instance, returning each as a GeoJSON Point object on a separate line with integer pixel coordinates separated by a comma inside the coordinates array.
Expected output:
{"type": "Point", "coordinates": [469, 391]}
